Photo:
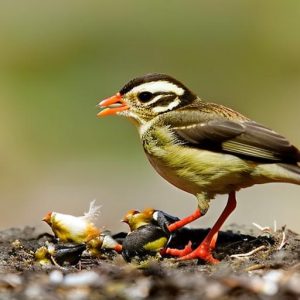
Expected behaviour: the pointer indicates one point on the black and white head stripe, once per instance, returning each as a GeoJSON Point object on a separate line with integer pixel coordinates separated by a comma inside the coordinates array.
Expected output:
{"type": "Point", "coordinates": [160, 91]}
{"type": "Point", "coordinates": [149, 78]}
{"type": "Point", "coordinates": [159, 86]}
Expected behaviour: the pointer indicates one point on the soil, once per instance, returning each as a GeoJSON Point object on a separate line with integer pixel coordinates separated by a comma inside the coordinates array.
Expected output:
{"type": "Point", "coordinates": [268, 267]}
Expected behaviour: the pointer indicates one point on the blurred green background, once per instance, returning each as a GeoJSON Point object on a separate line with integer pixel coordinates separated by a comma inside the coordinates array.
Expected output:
{"type": "Point", "coordinates": [58, 59]}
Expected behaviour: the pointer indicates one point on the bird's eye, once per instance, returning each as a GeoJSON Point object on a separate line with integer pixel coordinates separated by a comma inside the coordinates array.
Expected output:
{"type": "Point", "coordinates": [145, 96]}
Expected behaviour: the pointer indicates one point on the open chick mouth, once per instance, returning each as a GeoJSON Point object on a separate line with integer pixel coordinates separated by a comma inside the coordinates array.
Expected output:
{"type": "Point", "coordinates": [112, 105]}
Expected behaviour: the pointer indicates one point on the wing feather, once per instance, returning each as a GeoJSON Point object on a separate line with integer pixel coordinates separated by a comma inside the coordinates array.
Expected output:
{"type": "Point", "coordinates": [243, 138]}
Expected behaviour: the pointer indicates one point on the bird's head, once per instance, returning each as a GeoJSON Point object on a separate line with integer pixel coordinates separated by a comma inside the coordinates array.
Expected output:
{"type": "Point", "coordinates": [146, 97]}
{"type": "Point", "coordinates": [47, 218]}
{"type": "Point", "coordinates": [136, 219]}
{"type": "Point", "coordinates": [129, 215]}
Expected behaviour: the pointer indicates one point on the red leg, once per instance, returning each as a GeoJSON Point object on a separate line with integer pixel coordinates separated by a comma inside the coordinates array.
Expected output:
{"type": "Point", "coordinates": [180, 252]}
{"type": "Point", "coordinates": [176, 225]}
{"type": "Point", "coordinates": [203, 251]}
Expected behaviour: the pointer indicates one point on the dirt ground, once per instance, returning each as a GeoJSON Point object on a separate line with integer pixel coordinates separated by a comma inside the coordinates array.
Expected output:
{"type": "Point", "coordinates": [268, 267]}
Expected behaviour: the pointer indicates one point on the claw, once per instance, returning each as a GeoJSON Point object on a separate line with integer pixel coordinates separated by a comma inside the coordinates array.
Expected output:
{"type": "Point", "coordinates": [203, 252]}
{"type": "Point", "coordinates": [180, 252]}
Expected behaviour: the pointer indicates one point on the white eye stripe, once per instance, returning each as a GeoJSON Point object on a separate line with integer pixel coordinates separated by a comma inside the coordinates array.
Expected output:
{"type": "Point", "coordinates": [171, 105]}
{"type": "Point", "coordinates": [155, 99]}
{"type": "Point", "coordinates": [157, 87]}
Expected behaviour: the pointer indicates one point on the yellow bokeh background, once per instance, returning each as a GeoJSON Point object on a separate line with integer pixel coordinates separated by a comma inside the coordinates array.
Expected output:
{"type": "Point", "coordinates": [58, 59]}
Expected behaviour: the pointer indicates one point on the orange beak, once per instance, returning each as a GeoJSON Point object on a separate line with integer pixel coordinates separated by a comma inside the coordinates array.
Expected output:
{"type": "Point", "coordinates": [47, 218]}
{"type": "Point", "coordinates": [112, 105]}
{"type": "Point", "coordinates": [128, 215]}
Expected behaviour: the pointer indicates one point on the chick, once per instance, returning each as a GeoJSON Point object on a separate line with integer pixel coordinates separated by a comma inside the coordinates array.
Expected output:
{"type": "Point", "coordinates": [59, 254]}
{"type": "Point", "coordinates": [43, 255]}
{"type": "Point", "coordinates": [149, 234]}
{"type": "Point", "coordinates": [102, 243]}
{"type": "Point", "coordinates": [78, 230]}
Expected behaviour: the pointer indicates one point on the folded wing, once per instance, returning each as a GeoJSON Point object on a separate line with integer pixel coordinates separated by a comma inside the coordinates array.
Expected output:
{"type": "Point", "coordinates": [246, 139]}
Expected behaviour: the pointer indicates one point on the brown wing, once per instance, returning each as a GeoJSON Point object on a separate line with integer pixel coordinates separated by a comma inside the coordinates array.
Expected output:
{"type": "Point", "coordinates": [243, 138]}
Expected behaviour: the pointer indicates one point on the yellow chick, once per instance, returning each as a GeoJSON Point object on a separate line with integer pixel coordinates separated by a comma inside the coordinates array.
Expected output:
{"type": "Point", "coordinates": [102, 243]}
{"type": "Point", "coordinates": [43, 256]}
{"type": "Point", "coordinates": [59, 254]}
{"type": "Point", "coordinates": [68, 228]}
{"type": "Point", "coordinates": [148, 233]}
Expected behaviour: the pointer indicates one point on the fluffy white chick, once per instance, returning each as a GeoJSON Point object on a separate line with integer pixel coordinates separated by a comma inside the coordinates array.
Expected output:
{"type": "Point", "coordinates": [68, 228]}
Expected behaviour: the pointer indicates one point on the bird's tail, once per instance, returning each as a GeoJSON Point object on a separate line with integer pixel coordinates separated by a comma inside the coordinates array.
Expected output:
{"type": "Point", "coordinates": [293, 174]}
{"type": "Point", "coordinates": [93, 212]}
{"type": "Point", "coordinates": [292, 168]}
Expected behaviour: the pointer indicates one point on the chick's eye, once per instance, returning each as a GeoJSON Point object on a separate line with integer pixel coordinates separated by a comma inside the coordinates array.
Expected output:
{"type": "Point", "coordinates": [145, 96]}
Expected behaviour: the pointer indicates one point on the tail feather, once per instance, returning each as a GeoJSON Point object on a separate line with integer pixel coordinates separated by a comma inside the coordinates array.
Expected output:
{"type": "Point", "coordinates": [292, 168]}
{"type": "Point", "coordinates": [93, 212]}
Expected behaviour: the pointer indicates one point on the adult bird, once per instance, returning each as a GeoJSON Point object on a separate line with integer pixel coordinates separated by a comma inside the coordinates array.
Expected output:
{"type": "Point", "coordinates": [202, 148]}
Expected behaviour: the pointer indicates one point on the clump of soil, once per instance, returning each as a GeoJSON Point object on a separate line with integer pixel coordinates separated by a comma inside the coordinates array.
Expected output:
{"type": "Point", "coordinates": [252, 267]}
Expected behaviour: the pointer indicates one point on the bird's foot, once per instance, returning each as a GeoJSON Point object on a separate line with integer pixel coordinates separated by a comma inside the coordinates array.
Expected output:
{"type": "Point", "coordinates": [180, 252]}
{"type": "Point", "coordinates": [203, 252]}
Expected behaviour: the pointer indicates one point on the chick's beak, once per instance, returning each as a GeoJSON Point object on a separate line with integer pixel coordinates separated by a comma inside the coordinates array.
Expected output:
{"type": "Point", "coordinates": [124, 221]}
{"type": "Point", "coordinates": [112, 105]}
{"type": "Point", "coordinates": [47, 218]}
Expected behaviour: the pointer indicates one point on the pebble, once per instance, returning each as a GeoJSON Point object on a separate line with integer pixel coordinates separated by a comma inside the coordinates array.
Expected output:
{"type": "Point", "coordinates": [12, 280]}
{"type": "Point", "coordinates": [84, 278]}
{"type": "Point", "coordinates": [56, 277]}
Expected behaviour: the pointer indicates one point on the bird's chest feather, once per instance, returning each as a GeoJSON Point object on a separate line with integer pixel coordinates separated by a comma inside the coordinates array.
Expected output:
{"type": "Point", "coordinates": [194, 170]}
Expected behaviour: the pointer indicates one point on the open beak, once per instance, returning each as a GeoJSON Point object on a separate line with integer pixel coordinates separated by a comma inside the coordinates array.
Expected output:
{"type": "Point", "coordinates": [112, 105]}
{"type": "Point", "coordinates": [124, 221]}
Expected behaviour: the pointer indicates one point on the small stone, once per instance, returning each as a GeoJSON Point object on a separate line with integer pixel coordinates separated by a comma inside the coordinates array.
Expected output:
{"type": "Point", "coordinates": [12, 280]}
{"type": "Point", "coordinates": [16, 244]}
{"type": "Point", "coordinates": [85, 278]}
{"type": "Point", "coordinates": [34, 291]}
{"type": "Point", "coordinates": [139, 290]}
{"type": "Point", "coordinates": [215, 290]}
{"type": "Point", "coordinates": [293, 284]}
{"type": "Point", "coordinates": [56, 277]}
